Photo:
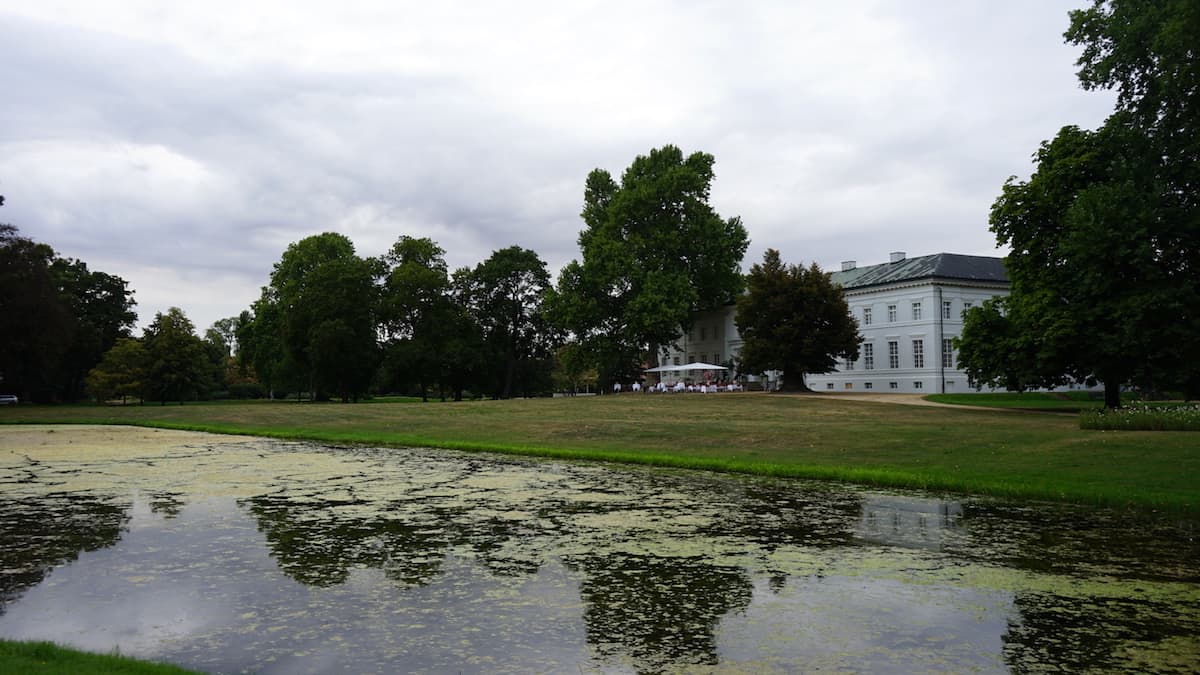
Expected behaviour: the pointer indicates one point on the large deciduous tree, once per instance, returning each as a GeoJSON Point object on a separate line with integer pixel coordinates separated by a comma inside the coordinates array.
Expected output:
{"type": "Point", "coordinates": [35, 328]}
{"type": "Point", "coordinates": [58, 319]}
{"type": "Point", "coordinates": [1105, 235]}
{"type": "Point", "coordinates": [504, 294]}
{"type": "Point", "coordinates": [121, 372]}
{"type": "Point", "coordinates": [652, 252]}
{"type": "Point", "coordinates": [795, 320]}
{"type": "Point", "coordinates": [101, 309]}
{"type": "Point", "coordinates": [177, 365]}
{"type": "Point", "coordinates": [430, 338]}
{"type": "Point", "coordinates": [326, 300]}
{"type": "Point", "coordinates": [260, 345]}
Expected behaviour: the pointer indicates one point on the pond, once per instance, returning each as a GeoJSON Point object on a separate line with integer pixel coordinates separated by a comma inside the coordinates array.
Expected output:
{"type": "Point", "coordinates": [249, 555]}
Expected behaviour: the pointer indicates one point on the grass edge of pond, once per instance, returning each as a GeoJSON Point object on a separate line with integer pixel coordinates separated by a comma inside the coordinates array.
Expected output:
{"type": "Point", "coordinates": [1048, 490]}
{"type": "Point", "coordinates": [27, 656]}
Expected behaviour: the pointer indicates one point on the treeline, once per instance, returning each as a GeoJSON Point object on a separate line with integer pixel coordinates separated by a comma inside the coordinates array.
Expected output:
{"type": "Point", "coordinates": [334, 324]}
{"type": "Point", "coordinates": [57, 319]}
{"type": "Point", "coordinates": [331, 324]}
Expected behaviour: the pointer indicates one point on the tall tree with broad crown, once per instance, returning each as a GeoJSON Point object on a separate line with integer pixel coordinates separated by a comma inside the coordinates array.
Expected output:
{"type": "Point", "coordinates": [653, 251]}
{"type": "Point", "coordinates": [176, 362]}
{"type": "Point", "coordinates": [504, 293]}
{"type": "Point", "coordinates": [429, 338]}
{"type": "Point", "coordinates": [327, 300]}
{"type": "Point", "coordinates": [795, 320]}
{"type": "Point", "coordinates": [1105, 235]}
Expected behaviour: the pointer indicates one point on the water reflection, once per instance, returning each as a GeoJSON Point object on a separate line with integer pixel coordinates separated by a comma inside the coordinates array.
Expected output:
{"type": "Point", "coordinates": [37, 535]}
{"type": "Point", "coordinates": [909, 522]}
{"type": "Point", "coordinates": [282, 557]}
{"type": "Point", "coordinates": [317, 544]}
{"type": "Point", "coordinates": [655, 612]}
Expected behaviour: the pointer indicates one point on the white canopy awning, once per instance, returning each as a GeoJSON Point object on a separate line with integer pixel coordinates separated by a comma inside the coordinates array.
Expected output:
{"type": "Point", "coordinates": [687, 366]}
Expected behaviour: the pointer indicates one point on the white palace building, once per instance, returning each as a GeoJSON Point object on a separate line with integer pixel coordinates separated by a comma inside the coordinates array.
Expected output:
{"type": "Point", "coordinates": [909, 311]}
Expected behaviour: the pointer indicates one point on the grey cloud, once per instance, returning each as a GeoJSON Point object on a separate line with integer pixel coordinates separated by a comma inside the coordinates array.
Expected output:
{"type": "Point", "coordinates": [839, 132]}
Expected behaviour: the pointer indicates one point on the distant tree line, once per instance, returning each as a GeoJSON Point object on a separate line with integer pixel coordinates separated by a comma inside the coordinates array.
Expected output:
{"type": "Point", "coordinates": [57, 319]}
{"type": "Point", "coordinates": [331, 324]}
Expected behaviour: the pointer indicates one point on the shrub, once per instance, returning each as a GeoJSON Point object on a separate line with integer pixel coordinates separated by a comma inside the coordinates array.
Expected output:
{"type": "Point", "coordinates": [1143, 417]}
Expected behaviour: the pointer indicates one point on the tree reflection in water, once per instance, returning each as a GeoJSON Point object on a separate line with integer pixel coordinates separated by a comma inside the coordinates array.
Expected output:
{"type": "Point", "coordinates": [37, 535]}
{"type": "Point", "coordinates": [316, 546]}
{"type": "Point", "coordinates": [658, 612]}
{"type": "Point", "coordinates": [444, 560]}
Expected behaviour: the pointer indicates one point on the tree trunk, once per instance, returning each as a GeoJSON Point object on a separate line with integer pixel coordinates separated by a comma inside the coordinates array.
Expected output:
{"type": "Point", "coordinates": [1112, 394]}
{"type": "Point", "coordinates": [794, 383]}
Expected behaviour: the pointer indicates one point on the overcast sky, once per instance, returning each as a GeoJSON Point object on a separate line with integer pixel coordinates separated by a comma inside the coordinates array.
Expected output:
{"type": "Point", "coordinates": [183, 146]}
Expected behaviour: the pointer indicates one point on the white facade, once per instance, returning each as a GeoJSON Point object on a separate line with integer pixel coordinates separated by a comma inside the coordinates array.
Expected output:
{"type": "Point", "coordinates": [714, 339]}
{"type": "Point", "coordinates": [909, 311]}
{"type": "Point", "coordinates": [908, 328]}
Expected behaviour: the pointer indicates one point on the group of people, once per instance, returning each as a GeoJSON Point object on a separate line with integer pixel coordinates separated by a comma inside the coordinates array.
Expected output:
{"type": "Point", "coordinates": [680, 387]}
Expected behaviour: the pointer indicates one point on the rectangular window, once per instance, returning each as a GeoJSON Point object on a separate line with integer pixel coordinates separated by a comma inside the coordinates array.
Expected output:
{"type": "Point", "coordinates": [893, 354]}
{"type": "Point", "coordinates": [848, 365]}
{"type": "Point", "coordinates": [692, 357]}
{"type": "Point", "coordinates": [893, 385]}
{"type": "Point", "coordinates": [946, 307]}
{"type": "Point", "coordinates": [866, 316]}
{"type": "Point", "coordinates": [947, 353]}
{"type": "Point", "coordinates": [891, 314]}
{"type": "Point", "coordinates": [829, 385]}
{"type": "Point", "coordinates": [918, 353]}
{"type": "Point", "coordinates": [867, 385]}
{"type": "Point", "coordinates": [850, 385]}
{"type": "Point", "coordinates": [918, 385]}
{"type": "Point", "coordinates": [703, 332]}
{"type": "Point", "coordinates": [704, 358]}
{"type": "Point", "coordinates": [675, 361]}
{"type": "Point", "coordinates": [717, 358]}
{"type": "Point", "coordinates": [967, 306]}
{"type": "Point", "coordinates": [869, 356]}
{"type": "Point", "coordinates": [916, 307]}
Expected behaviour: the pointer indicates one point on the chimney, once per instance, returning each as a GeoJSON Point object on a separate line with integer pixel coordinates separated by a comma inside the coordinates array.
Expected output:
{"type": "Point", "coordinates": [848, 265]}
{"type": "Point", "coordinates": [897, 256]}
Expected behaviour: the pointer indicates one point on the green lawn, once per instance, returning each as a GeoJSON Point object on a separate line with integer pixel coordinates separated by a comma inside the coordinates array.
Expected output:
{"type": "Point", "coordinates": [1072, 401]}
{"type": "Point", "coordinates": [1025, 454]}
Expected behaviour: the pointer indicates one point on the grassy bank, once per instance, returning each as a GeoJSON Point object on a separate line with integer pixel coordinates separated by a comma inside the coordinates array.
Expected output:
{"type": "Point", "coordinates": [23, 658]}
{"type": "Point", "coordinates": [1073, 401]}
{"type": "Point", "coordinates": [1000, 453]}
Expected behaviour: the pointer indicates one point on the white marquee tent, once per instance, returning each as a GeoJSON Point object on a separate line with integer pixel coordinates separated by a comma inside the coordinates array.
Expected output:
{"type": "Point", "coordinates": [685, 367]}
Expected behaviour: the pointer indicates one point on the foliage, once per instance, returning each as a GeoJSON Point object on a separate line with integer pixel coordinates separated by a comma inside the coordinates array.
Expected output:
{"type": "Point", "coordinates": [504, 296]}
{"type": "Point", "coordinates": [795, 320]}
{"type": "Point", "coordinates": [177, 366]}
{"type": "Point", "coordinates": [1143, 417]}
{"type": "Point", "coordinates": [572, 369]}
{"type": "Point", "coordinates": [101, 309]}
{"type": "Point", "coordinates": [415, 304]}
{"type": "Point", "coordinates": [59, 319]}
{"type": "Point", "coordinates": [322, 303]}
{"type": "Point", "coordinates": [36, 326]}
{"type": "Point", "coordinates": [260, 344]}
{"type": "Point", "coordinates": [1105, 236]}
{"type": "Point", "coordinates": [120, 373]}
{"type": "Point", "coordinates": [653, 251]}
